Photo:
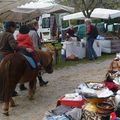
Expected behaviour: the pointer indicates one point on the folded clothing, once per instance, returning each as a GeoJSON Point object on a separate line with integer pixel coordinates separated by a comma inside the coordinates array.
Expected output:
{"type": "Point", "coordinates": [59, 110]}
{"type": "Point", "coordinates": [74, 114]}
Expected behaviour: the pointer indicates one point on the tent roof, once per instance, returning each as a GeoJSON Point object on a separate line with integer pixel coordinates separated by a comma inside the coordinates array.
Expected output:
{"type": "Point", "coordinates": [78, 15]}
{"type": "Point", "coordinates": [97, 13]}
{"type": "Point", "coordinates": [57, 8]}
{"type": "Point", "coordinates": [20, 15]}
{"type": "Point", "coordinates": [48, 7]}
{"type": "Point", "coordinates": [6, 5]}
{"type": "Point", "coordinates": [105, 13]}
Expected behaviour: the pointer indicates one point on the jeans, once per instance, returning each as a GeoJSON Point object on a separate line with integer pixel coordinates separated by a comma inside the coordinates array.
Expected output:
{"type": "Point", "coordinates": [90, 51]}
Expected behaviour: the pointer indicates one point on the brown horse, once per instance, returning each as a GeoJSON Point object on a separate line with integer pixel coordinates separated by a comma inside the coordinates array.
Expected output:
{"type": "Point", "coordinates": [15, 69]}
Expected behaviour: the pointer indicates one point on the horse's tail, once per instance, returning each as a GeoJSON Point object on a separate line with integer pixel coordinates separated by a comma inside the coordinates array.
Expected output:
{"type": "Point", "coordinates": [4, 75]}
{"type": "Point", "coordinates": [8, 75]}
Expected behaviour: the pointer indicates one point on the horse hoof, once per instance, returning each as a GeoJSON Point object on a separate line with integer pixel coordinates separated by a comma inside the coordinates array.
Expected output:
{"type": "Point", "coordinates": [6, 113]}
{"type": "Point", "coordinates": [12, 105]}
{"type": "Point", "coordinates": [31, 98]}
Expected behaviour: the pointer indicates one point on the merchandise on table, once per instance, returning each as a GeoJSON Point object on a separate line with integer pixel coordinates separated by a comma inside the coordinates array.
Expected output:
{"type": "Point", "coordinates": [70, 102]}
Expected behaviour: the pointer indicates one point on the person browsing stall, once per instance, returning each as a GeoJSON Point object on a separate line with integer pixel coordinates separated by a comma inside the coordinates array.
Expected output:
{"type": "Point", "coordinates": [91, 32]}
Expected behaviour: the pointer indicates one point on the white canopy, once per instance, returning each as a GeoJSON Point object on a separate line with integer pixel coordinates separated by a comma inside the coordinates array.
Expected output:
{"type": "Point", "coordinates": [57, 8]}
{"type": "Point", "coordinates": [105, 13]}
{"type": "Point", "coordinates": [6, 5]}
{"type": "Point", "coordinates": [49, 7]}
{"type": "Point", "coordinates": [78, 15]}
{"type": "Point", "coordinates": [97, 13]}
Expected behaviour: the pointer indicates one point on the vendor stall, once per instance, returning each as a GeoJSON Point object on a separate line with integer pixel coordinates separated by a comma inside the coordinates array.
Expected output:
{"type": "Point", "coordinates": [110, 45]}
{"type": "Point", "coordinates": [74, 49]}
{"type": "Point", "coordinates": [90, 101]}
{"type": "Point", "coordinates": [77, 49]}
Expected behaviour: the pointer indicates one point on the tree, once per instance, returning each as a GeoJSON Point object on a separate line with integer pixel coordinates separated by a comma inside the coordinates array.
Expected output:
{"type": "Point", "coordinates": [87, 6]}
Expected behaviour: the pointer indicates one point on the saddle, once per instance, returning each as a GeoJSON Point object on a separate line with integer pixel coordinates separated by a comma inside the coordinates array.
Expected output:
{"type": "Point", "coordinates": [31, 61]}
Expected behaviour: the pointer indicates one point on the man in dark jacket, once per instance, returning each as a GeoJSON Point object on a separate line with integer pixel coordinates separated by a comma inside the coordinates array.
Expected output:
{"type": "Point", "coordinates": [92, 33]}
{"type": "Point", "coordinates": [7, 41]}
{"type": "Point", "coordinates": [7, 44]}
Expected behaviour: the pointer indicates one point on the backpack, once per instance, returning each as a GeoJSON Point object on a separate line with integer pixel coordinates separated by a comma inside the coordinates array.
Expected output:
{"type": "Point", "coordinates": [94, 31]}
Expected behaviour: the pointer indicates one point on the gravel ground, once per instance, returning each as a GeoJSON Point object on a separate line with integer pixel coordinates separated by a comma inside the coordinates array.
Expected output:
{"type": "Point", "coordinates": [60, 82]}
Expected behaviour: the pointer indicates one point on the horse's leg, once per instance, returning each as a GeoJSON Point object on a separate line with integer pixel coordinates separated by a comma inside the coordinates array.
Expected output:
{"type": "Point", "coordinates": [8, 99]}
{"type": "Point", "coordinates": [12, 103]}
{"type": "Point", "coordinates": [6, 108]}
{"type": "Point", "coordinates": [32, 88]}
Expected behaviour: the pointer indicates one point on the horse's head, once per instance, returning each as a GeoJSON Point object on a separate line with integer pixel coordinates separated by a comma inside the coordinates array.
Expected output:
{"type": "Point", "coordinates": [46, 60]}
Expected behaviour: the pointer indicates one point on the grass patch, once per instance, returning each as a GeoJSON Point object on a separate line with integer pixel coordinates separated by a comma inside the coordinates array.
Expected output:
{"type": "Point", "coordinates": [61, 63]}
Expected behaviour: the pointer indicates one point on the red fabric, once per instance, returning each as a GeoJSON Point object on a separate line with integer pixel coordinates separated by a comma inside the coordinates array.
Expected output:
{"type": "Point", "coordinates": [24, 41]}
{"type": "Point", "coordinates": [111, 86]}
{"type": "Point", "coordinates": [88, 28]}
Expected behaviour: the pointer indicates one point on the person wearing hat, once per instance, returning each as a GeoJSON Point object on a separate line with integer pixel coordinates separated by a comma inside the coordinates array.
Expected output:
{"type": "Point", "coordinates": [8, 44]}
{"type": "Point", "coordinates": [24, 40]}
{"type": "Point", "coordinates": [7, 41]}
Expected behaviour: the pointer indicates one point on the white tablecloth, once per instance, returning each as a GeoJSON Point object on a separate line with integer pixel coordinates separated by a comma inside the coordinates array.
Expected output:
{"type": "Point", "coordinates": [79, 48]}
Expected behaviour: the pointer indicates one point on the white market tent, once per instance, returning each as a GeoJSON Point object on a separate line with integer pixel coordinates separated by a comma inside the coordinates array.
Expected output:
{"type": "Point", "coordinates": [6, 5]}
{"type": "Point", "coordinates": [48, 7]}
{"type": "Point", "coordinates": [78, 15]}
{"type": "Point", "coordinates": [97, 13]}
{"type": "Point", "coordinates": [57, 8]}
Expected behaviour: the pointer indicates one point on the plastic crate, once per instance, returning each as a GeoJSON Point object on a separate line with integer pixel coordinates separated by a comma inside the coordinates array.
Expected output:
{"type": "Point", "coordinates": [70, 103]}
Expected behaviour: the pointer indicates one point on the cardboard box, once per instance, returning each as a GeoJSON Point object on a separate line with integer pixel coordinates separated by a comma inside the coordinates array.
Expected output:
{"type": "Point", "coordinates": [70, 103]}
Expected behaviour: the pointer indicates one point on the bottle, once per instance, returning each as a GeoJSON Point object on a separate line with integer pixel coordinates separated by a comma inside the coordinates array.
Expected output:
{"type": "Point", "coordinates": [63, 54]}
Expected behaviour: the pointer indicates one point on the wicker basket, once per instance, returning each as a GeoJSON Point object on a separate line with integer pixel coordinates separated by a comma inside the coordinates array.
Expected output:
{"type": "Point", "coordinates": [95, 100]}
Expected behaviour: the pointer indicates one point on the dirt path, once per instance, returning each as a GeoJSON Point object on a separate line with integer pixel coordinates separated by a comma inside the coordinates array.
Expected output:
{"type": "Point", "coordinates": [60, 82]}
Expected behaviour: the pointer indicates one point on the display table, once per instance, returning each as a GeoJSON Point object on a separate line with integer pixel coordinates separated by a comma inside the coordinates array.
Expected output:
{"type": "Point", "coordinates": [96, 46]}
{"type": "Point", "coordinates": [78, 48]}
{"type": "Point", "coordinates": [74, 48]}
{"type": "Point", "coordinates": [110, 45]}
